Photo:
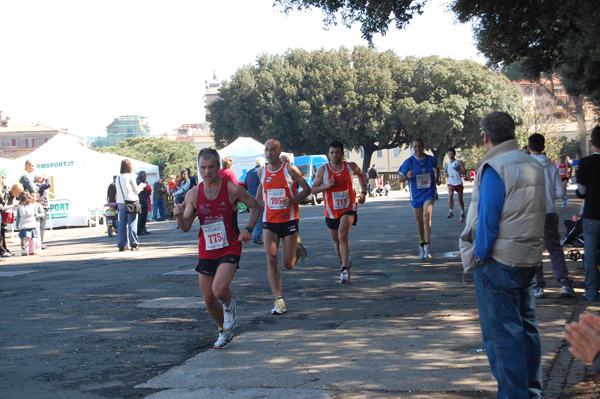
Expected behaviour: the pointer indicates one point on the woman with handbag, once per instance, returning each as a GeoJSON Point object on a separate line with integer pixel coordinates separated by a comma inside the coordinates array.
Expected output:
{"type": "Point", "coordinates": [129, 207]}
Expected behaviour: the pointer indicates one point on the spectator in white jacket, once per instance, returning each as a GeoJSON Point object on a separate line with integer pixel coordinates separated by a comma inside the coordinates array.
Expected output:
{"type": "Point", "coordinates": [554, 191]}
{"type": "Point", "coordinates": [127, 192]}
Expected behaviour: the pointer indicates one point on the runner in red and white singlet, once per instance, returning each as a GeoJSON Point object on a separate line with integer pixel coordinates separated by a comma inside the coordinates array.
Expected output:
{"type": "Point", "coordinates": [455, 169]}
{"type": "Point", "coordinates": [564, 169]}
{"type": "Point", "coordinates": [215, 201]}
{"type": "Point", "coordinates": [280, 218]}
{"type": "Point", "coordinates": [219, 233]}
{"type": "Point", "coordinates": [334, 180]}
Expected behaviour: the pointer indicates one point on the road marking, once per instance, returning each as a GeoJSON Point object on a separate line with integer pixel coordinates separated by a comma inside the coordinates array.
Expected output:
{"type": "Point", "coordinates": [173, 303]}
{"type": "Point", "coordinates": [180, 272]}
{"type": "Point", "coordinates": [117, 255]}
{"type": "Point", "coordinates": [12, 274]}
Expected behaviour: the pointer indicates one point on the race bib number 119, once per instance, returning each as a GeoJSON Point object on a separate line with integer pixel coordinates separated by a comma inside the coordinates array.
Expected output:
{"type": "Point", "coordinates": [341, 200]}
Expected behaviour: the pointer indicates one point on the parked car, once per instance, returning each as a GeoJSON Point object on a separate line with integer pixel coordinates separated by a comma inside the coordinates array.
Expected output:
{"type": "Point", "coordinates": [308, 165]}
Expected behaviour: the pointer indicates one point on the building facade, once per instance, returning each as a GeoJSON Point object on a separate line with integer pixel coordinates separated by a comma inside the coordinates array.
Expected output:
{"type": "Point", "coordinates": [121, 129]}
{"type": "Point", "coordinates": [550, 109]}
{"type": "Point", "coordinates": [18, 139]}
{"type": "Point", "coordinates": [197, 134]}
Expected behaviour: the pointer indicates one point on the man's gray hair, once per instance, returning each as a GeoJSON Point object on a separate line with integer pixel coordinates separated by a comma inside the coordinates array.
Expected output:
{"type": "Point", "coordinates": [260, 162]}
{"type": "Point", "coordinates": [499, 127]}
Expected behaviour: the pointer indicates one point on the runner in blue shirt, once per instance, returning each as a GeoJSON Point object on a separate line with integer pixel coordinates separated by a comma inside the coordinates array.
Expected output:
{"type": "Point", "coordinates": [423, 174]}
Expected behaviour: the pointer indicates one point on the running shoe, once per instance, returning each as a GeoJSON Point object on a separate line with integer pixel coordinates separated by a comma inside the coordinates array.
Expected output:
{"type": "Point", "coordinates": [230, 316]}
{"type": "Point", "coordinates": [300, 250]}
{"type": "Point", "coordinates": [345, 274]}
{"type": "Point", "coordinates": [462, 217]}
{"type": "Point", "coordinates": [427, 251]}
{"type": "Point", "coordinates": [225, 338]}
{"type": "Point", "coordinates": [538, 292]}
{"type": "Point", "coordinates": [564, 204]}
{"type": "Point", "coordinates": [421, 252]}
{"type": "Point", "coordinates": [567, 292]}
{"type": "Point", "coordinates": [450, 215]}
{"type": "Point", "coordinates": [278, 307]}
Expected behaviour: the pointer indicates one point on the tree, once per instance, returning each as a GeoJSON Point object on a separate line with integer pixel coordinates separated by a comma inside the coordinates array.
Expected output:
{"type": "Point", "coordinates": [170, 156]}
{"type": "Point", "coordinates": [451, 97]}
{"type": "Point", "coordinates": [548, 36]}
{"type": "Point", "coordinates": [368, 99]}
{"type": "Point", "coordinates": [373, 16]}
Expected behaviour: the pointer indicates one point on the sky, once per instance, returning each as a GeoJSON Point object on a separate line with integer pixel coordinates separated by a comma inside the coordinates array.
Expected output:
{"type": "Point", "coordinates": [78, 64]}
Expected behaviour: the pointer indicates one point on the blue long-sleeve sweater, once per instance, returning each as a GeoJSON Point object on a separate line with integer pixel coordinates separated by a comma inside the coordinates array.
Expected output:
{"type": "Point", "coordinates": [489, 210]}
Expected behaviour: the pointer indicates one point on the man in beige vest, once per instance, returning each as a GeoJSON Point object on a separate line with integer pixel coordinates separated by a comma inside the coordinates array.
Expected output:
{"type": "Point", "coordinates": [503, 241]}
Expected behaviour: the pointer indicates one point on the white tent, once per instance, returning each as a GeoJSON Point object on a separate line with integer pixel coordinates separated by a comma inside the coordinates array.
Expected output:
{"type": "Point", "coordinates": [244, 151]}
{"type": "Point", "coordinates": [79, 177]}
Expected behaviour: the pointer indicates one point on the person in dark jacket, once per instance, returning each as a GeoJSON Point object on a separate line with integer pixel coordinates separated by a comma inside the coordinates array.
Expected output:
{"type": "Point", "coordinates": [111, 193]}
{"type": "Point", "coordinates": [143, 195]}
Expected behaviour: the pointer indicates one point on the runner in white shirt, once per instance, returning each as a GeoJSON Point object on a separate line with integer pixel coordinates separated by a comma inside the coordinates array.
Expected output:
{"type": "Point", "coordinates": [455, 169]}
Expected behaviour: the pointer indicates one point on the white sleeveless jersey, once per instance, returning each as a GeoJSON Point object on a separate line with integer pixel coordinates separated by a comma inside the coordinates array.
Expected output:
{"type": "Point", "coordinates": [454, 177]}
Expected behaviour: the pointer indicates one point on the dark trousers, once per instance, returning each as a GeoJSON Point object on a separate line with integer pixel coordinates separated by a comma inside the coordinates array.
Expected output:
{"type": "Point", "coordinates": [557, 256]}
{"type": "Point", "coordinates": [142, 218]}
{"type": "Point", "coordinates": [3, 248]}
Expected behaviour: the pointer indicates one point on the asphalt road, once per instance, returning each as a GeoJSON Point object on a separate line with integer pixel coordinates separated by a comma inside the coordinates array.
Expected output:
{"type": "Point", "coordinates": [83, 320]}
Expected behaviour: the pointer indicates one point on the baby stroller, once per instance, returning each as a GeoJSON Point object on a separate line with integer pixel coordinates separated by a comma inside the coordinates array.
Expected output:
{"type": "Point", "coordinates": [379, 190]}
{"type": "Point", "coordinates": [111, 214]}
{"type": "Point", "coordinates": [574, 236]}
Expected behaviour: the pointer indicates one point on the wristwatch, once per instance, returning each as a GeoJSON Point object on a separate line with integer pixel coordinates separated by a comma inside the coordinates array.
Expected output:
{"type": "Point", "coordinates": [250, 229]}
{"type": "Point", "coordinates": [479, 261]}
{"type": "Point", "coordinates": [363, 192]}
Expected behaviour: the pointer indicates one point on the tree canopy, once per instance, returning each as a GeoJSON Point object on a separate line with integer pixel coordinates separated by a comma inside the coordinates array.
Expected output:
{"type": "Point", "coordinates": [171, 156]}
{"type": "Point", "coordinates": [548, 36]}
{"type": "Point", "coordinates": [369, 99]}
{"type": "Point", "coordinates": [373, 16]}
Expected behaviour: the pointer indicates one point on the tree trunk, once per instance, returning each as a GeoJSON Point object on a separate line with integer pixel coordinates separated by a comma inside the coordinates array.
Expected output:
{"type": "Point", "coordinates": [368, 151]}
{"type": "Point", "coordinates": [580, 117]}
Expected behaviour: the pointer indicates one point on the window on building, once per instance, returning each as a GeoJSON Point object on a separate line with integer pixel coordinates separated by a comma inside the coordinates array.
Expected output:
{"type": "Point", "coordinates": [529, 91]}
{"type": "Point", "coordinates": [347, 153]}
{"type": "Point", "coordinates": [538, 91]}
{"type": "Point", "coordinates": [396, 152]}
{"type": "Point", "coordinates": [379, 153]}
{"type": "Point", "coordinates": [46, 139]}
{"type": "Point", "coordinates": [13, 142]}
{"type": "Point", "coordinates": [362, 153]}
